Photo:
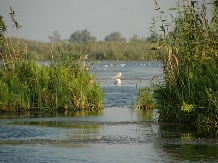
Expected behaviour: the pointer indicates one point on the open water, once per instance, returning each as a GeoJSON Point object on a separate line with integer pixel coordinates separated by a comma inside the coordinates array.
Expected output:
{"type": "Point", "coordinates": [118, 134]}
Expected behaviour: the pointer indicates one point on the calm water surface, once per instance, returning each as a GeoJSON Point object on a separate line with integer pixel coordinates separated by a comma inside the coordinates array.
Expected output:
{"type": "Point", "coordinates": [118, 134]}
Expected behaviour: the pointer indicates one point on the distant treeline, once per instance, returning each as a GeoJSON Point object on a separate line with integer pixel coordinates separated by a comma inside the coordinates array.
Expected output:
{"type": "Point", "coordinates": [96, 50]}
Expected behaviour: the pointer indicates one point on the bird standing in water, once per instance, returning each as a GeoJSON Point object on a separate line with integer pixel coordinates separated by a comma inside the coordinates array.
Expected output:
{"type": "Point", "coordinates": [117, 78]}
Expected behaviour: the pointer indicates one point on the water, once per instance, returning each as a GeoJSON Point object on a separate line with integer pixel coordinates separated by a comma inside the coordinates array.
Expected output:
{"type": "Point", "coordinates": [118, 134]}
{"type": "Point", "coordinates": [134, 76]}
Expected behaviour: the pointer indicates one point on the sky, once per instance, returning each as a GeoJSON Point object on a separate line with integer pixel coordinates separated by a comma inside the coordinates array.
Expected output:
{"type": "Point", "coordinates": [39, 18]}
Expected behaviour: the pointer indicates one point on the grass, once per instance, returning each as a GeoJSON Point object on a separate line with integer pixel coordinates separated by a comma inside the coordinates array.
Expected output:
{"type": "Point", "coordinates": [64, 84]}
{"type": "Point", "coordinates": [189, 58]}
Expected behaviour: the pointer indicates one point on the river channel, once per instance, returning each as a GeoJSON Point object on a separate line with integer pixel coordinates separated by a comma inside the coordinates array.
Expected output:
{"type": "Point", "coordinates": [117, 134]}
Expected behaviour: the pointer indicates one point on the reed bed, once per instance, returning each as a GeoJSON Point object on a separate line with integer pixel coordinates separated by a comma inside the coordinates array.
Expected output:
{"type": "Point", "coordinates": [65, 84]}
{"type": "Point", "coordinates": [99, 50]}
{"type": "Point", "coordinates": [188, 52]}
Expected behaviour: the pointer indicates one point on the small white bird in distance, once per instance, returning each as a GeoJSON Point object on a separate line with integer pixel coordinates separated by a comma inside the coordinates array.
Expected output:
{"type": "Point", "coordinates": [86, 57]}
{"type": "Point", "coordinates": [117, 76]}
{"type": "Point", "coordinates": [117, 80]}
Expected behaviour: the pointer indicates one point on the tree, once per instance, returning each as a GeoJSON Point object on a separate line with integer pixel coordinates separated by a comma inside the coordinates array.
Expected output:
{"type": "Point", "coordinates": [114, 36]}
{"type": "Point", "coordinates": [56, 37]}
{"type": "Point", "coordinates": [134, 38]}
{"type": "Point", "coordinates": [81, 37]}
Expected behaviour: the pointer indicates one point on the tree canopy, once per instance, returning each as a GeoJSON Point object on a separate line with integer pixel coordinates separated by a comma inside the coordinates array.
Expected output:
{"type": "Point", "coordinates": [56, 37]}
{"type": "Point", "coordinates": [114, 36]}
{"type": "Point", "coordinates": [81, 37]}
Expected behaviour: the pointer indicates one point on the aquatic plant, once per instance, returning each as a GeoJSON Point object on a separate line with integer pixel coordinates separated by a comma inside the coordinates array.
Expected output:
{"type": "Point", "coordinates": [188, 52]}
{"type": "Point", "coordinates": [145, 98]}
{"type": "Point", "coordinates": [25, 84]}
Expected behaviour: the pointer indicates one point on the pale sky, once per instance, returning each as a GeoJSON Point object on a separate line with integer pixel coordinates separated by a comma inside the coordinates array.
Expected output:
{"type": "Point", "coordinates": [39, 18]}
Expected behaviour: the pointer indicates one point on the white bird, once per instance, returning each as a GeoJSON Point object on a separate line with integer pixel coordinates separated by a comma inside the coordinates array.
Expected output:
{"type": "Point", "coordinates": [117, 82]}
{"type": "Point", "coordinates": [86, 57]}
{"type": "Point", "coordinates": [117, 76]}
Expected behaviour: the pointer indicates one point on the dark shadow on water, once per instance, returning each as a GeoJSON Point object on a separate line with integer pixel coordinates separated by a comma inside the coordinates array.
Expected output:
{"type": "Point", "coordinates": [188, 131]}
{"type": "Point", "coordinates": [188, 142]}
{"type": "Point", "coordinates": [49, 113]}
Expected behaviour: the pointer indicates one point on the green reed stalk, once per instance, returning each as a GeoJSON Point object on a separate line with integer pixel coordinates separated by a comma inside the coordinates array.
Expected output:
{"type": "Point", "coordinates": [62, 85]}
{"type": "Point", "coordinates": [189, 59]}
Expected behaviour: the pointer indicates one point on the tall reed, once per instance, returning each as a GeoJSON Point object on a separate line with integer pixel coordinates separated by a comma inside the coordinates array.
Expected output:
{"type": "Point", "coordinates": [24, 84]}
{"type": "Point", "coordinates": [189, 58]}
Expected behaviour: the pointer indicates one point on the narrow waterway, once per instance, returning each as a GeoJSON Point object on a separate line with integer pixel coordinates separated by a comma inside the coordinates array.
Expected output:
{"type": "Point", "coordinates": [117, 134]}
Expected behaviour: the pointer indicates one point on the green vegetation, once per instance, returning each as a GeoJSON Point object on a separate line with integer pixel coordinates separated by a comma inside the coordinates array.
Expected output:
{"type": "Point", "coordinates": [114, 36]}
{"type": "Point", "coordinates": [96, 50]}
{"type": "Point", "coordinates": [145, 99]}
{"type": "Point", "coordinates": [82, 37]}
{"type": "Point", "coordinates": [114, 47]}
{"type": "Point", "coordinates": [188, 52]}
{"type": "Point", "coordinates": [65, 84]}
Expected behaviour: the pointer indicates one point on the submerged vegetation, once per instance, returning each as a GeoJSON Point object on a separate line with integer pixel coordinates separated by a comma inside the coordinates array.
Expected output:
{"type": "Point", "coordinates": [64, 84]}
{"type": "Point", "coordinates": [188, 53]}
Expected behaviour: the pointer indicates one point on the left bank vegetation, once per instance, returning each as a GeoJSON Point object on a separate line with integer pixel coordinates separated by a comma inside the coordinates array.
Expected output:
{"type": "Point", "coordinates": [25, 84]}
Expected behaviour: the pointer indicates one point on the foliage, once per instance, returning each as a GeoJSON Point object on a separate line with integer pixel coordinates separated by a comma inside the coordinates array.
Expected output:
{"type": "Point", "coordinates": [188, 53]}
{"type": "Point", "coordinates": [56, 37]}
{"type": "Point", "coordinates": [113, 50]}
{"type": "Point", "coordinates": [114, 36]}
{"type": "Point", "coordinates": [64, 84]}
{"type": "Point", "coordinates": [145, 98]}
{"type": "Point", "coordinates": [81, 37]}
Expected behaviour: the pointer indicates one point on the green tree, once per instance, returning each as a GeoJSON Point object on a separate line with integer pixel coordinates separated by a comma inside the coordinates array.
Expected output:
{"type": "Point", "coordinates": [56, 37]}
{"type": "Point", "coordinates": [81, 37]}
{"type": "Point", "coordinates": [134, 38]}
{"type": "Point", "coordinates": [114, 36]}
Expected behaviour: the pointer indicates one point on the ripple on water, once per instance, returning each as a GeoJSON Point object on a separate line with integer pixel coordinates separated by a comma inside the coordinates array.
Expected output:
{"type": "Point", "coordinates": [17, 132]}
{"type": "Point", "coordinates": [120, 134]}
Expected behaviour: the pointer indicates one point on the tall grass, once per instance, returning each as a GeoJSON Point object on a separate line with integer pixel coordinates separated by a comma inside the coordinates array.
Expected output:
{"type": "Point", "coordinates": [188, 53]}
{"type": "Point", "coordinates": [24, 84]}
{"type": "Point", "coordinates": [113, 50]}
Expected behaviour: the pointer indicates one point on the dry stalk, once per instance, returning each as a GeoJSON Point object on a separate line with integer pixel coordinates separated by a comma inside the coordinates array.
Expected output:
{"type": "Point", "coordinates": [3, 61]}
{"type": "Point", "coordinates": [12, 61]}
{"type": "Point", "coordinates": [52, 56]}
{"type": "Point", "coordinates": [26, 51]}
{"type": "Point", "coordinates": [133, 25]}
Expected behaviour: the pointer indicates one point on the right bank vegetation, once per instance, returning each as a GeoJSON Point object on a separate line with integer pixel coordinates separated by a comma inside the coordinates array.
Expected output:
{"type": "Point", "coordinates": [188, 52]}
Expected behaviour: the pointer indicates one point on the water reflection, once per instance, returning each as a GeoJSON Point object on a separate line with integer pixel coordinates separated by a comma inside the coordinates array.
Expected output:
{"type": "Point", "coordinates": [50, 113]}
{"type": "Point", "coordinates": [191, 153]}
{"type": "Point", "coordinates": [188, 142]}
{"type": "Point", "coordinates": [188, 131]}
